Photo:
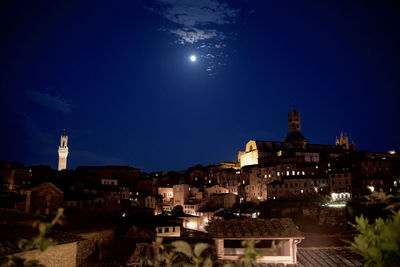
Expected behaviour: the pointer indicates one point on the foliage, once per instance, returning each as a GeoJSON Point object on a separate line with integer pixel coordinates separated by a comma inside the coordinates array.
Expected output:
{"type": "Point", "coordinates": [180, 253]}
{"type": "Point", "coordinates": [379, 242]}
{"type": "Point", "coordinates": [249, 256]}
{"type": "Point", "coordinates": [40, 242]}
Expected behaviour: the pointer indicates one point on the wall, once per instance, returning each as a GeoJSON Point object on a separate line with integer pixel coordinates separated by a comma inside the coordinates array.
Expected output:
{"type": "Point", "coordinates": [87, 247]}
{"type": "Point", "coordinates": [249, 158]}
{"type": "Point", "coordinates": [63, 255]}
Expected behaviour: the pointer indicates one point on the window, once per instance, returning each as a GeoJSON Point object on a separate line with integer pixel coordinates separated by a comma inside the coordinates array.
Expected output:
{"type": "Point", "coordinates": [173, 229]}
{"type": "Point", "coordinates": [166, 229]}
{"type": "Point", "coordinates": [159, 230]}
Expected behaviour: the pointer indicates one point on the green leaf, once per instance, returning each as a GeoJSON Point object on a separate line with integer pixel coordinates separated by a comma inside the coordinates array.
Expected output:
{"type": "Point", "coordinates": [183, 247]}
{"type": "Point", "coordinates": [199, 248]}
{"type": "Point", "coordinates": [208, 262]}
{"type": "Point", "coordinates": [42, 228]}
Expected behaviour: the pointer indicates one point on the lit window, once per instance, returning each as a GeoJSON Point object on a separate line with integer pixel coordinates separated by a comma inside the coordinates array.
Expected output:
{"type": "Point", "coordinates": [293, 173]}
{"type": "Point", "coordinates": [287, 173]}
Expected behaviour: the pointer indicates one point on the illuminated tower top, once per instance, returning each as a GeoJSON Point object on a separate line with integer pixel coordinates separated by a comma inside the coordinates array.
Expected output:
{"type": "Point", "coordinates": [63, 152]}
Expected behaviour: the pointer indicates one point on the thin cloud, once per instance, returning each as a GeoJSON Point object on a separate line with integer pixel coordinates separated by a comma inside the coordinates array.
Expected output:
{"type": "Point", "coordinates": [203, 23]}
{"type": "Point", "coordinates": [49, 101]}
{"type": "Point", "coordinates": [190, 13]}
{"type": "Point", "coordinates": [193, 35]}
{"type": "Point", "coordinates": [187, 16]}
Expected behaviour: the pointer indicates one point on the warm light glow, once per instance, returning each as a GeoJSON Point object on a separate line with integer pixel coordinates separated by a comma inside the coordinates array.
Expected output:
{"type": "Point", "coordinates": [193, 58]}
{"type": "Point", "coordinates": [336, 205]}
{"type": "Point", "coordinates": [371, 188]}
{"type": "Point", "coordinates": [392, 152]}
{"type": "Point", "coordinates": [191, 225]}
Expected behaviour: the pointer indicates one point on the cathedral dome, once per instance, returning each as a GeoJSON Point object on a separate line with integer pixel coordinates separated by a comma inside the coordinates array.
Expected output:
{"type": "Point", "coordinates": [294, 137]}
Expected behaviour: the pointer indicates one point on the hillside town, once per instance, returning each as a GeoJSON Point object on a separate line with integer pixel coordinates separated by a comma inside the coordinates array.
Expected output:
{"type": "Point", "coordinates": [289, 189]}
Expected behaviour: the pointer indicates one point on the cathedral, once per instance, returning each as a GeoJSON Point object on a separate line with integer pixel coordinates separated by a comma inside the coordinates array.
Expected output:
{"type": "Point", "coordinates": [294, 145]}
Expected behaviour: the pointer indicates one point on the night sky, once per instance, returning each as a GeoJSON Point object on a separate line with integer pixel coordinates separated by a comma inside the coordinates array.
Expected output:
{"type": "Point", "coordinates": [119, 79]}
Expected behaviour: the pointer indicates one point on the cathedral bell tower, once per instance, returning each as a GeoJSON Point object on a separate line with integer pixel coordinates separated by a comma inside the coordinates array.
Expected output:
{"type": "Point", "coordinates": [294, 134]}
{"type": "Point", "coordinates": [294, 121]}
{"type": "Point", "coordinates": [63, 152]}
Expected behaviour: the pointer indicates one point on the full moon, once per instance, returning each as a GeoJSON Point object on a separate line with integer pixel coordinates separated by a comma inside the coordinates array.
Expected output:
{"type": "Point", "coordinates": [193, 58]}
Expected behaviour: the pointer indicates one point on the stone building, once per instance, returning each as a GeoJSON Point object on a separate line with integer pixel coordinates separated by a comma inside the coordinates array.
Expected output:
{"type": "Point", "coordinates": [340, 185]}
{"type": "Point", "coordinates": [167, 193]}
{"type": "Point", "coordinates": [215, 189]}
{"type": "Point", "coordinates": [181, 194]}
{"type": "Point", "coordinates": [253, 186]}
{"type": "Point", "coordinates": [223, 200]}
{"type": "Point", "coordinates": [45, 198]}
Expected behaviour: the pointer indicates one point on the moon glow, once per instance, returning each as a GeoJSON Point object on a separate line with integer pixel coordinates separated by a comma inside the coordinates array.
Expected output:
{"type": "Point", "coordinates": [193, 58]}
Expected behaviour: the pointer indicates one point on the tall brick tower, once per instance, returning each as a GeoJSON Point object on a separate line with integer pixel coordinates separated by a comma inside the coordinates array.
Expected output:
{"type": "Point", "coordinates": [294, 121]}
{"type": "Point", "coordinates": [294, 134]}
{"type": "Point", "coordinates": [63, 152]}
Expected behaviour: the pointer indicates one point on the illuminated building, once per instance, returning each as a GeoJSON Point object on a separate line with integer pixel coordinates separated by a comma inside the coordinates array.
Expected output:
{"type": "Point", "coordinates": [63, 152]}
{"type": "Point", "coordinates": [294, 145]}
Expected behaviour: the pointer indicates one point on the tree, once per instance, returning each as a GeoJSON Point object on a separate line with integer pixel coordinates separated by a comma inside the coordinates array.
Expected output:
{"type": "Point", "coordinates": [379, 242]}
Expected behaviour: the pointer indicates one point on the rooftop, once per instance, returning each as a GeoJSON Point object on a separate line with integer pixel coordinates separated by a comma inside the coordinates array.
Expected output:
{"type": "Point", "coordinates": [306, 257]}
{"type": "Point", "coordinates": [10, 235]}
{"type": "Point", "coordinates": [254, 228]}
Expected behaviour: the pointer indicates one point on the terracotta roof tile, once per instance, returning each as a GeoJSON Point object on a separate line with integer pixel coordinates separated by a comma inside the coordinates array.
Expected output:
{"type": "Point", "coordinates": [254, 228]}
{"type": "Point", "coordinates": [11, 234]}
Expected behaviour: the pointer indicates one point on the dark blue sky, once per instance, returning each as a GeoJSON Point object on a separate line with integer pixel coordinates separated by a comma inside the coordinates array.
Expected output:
{"type": "Point", "coordinates": [117, 77]}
